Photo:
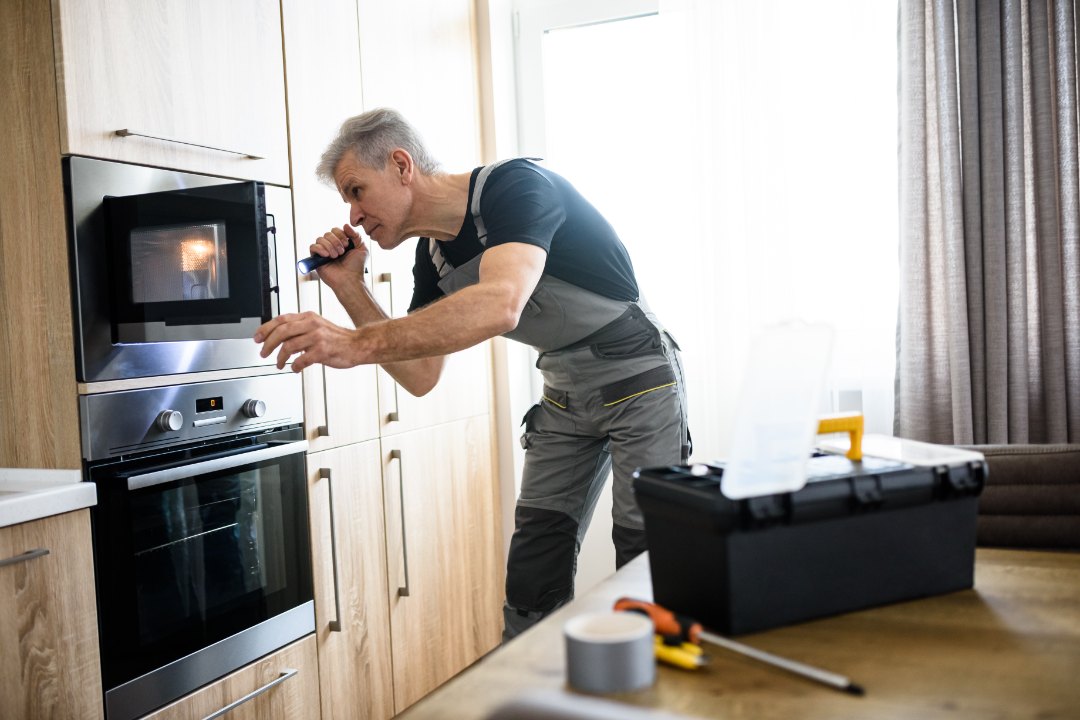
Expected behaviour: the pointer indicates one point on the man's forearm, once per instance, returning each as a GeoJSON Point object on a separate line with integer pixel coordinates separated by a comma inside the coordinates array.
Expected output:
{"type": "Point", "coordinates": [458, 321]}
{"type": "Point", "coordinates": [417, 376]}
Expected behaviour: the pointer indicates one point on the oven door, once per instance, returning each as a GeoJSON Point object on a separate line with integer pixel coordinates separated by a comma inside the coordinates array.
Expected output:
{"type": "Point", "coordinates": [203, 565]}
{"type": "Point", "coordinates": [191, 264]}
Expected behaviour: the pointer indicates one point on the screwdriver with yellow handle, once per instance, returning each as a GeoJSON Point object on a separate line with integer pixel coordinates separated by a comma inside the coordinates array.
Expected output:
{"type": "Point", "coordinates": [686, 630]}
{"type": "Point", "coordinates": [680, 654]}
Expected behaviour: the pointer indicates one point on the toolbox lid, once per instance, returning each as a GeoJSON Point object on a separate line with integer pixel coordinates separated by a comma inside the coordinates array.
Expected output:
{"type": "Point", "coordinates": [836, 487]}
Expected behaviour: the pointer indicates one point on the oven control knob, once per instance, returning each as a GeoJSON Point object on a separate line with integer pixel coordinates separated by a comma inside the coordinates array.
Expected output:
{"type": "Point", "coordinates": [170, 420]}
{"type": "Point", "coordinates": [254, 408]}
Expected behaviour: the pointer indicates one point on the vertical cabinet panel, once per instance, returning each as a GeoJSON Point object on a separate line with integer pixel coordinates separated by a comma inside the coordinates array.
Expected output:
{"type": "Point", "coordinates": [444, 550]}
{"type": "Point", "coordinates": [322, 65]}
{"type": "Point", "coordinates": [190, 73]}
{"type": "Point", "coordinates": [349, 557]}
{"type": "Point", "coordinates": [49, 664]}
{"type": "Point", "coordinates": [437, 91]}
{"type": "Point", "coordinates": [38, 388]}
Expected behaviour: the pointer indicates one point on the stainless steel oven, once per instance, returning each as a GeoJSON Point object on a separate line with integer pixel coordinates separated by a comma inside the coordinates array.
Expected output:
{"type": "Point", "coordinates": [201, 537]}
{"type": "Point", "coordinates": [172, 272]}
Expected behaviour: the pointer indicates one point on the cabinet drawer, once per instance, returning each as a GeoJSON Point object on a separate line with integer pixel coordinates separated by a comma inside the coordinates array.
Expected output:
{"type": "Point", "coordinates": [283, 685]}
{"type": "Point", "coordinates": [48, 624]}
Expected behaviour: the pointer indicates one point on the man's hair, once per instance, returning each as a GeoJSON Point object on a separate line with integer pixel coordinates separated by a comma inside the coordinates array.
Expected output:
{"type": "Point", "coordinates": [372, 136]}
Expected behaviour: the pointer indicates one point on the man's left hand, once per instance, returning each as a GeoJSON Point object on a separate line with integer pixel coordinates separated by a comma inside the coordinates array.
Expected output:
{"type": "Point", "coordinates": [310, 336]}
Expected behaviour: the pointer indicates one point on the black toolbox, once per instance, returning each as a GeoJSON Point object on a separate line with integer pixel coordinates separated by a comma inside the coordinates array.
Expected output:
{"type": "Point", "coordinates": [858, 534]}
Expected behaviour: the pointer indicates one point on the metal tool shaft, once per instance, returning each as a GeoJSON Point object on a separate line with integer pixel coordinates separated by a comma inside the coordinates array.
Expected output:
{"type": "Point", "coordinates": [807, 671]}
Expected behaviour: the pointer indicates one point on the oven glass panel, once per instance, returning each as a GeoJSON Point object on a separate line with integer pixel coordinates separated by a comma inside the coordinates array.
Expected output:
{"type": "Point", "coordinates": [206, 549]}
{"type": "Point", "coordinates": [179, 264]}
{"type": "Point", "coordinates": [184, 564]}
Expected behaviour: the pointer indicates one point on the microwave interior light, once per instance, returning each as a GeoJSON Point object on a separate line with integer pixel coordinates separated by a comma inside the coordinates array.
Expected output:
{"type": "Point", "coordinates": [196, 254]}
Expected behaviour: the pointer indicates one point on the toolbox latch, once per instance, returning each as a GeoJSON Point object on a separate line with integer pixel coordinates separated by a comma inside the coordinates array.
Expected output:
{"type": "Point", "coordinates": [765, 510]}
{"type": "Point", "coordinates": [967, 479]}
{"type": "Point", "coordinates": [866, 491]}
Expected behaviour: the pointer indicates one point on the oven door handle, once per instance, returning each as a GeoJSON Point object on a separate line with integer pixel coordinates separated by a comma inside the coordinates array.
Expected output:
{"type": "Point", "coordinates": [136, 482]}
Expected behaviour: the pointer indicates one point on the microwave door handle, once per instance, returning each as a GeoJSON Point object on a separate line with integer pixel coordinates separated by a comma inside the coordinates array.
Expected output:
{"type": "Point", "coordinates": [158, 477]}
{"type": "Point", "coordinates": [271, 254]}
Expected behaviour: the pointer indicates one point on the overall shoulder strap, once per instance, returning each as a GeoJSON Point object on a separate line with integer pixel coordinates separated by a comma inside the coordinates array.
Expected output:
{"type": "Point", "coordinates": [441, 265]}
{"type": "Point", "coordinates": [481, 180]}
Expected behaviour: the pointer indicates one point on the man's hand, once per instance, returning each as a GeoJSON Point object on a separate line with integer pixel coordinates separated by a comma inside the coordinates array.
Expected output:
{"type": "Point", "coordinates": [333, 244]}
{"type": "Point", "coordinates": [312, 337]}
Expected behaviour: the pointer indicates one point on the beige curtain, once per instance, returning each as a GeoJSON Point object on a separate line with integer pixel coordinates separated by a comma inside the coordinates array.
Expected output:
{"type": "Point", "coordinates": [988, 338]}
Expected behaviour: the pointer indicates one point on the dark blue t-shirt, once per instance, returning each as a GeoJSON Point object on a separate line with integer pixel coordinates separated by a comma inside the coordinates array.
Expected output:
{"type": "Point", "coordinates": [523, 202]}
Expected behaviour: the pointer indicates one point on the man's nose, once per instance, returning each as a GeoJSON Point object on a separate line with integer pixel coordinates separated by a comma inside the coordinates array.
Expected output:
{"type": "Point", "coordinates": [356, 216]}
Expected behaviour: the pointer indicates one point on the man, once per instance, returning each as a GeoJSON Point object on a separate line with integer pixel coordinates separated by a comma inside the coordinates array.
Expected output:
{"type": "Point", "coordinates": [509, 249]}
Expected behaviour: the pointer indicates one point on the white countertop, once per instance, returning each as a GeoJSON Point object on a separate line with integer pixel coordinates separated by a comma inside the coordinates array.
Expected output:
{"type": "Point", "coordinates": [28, 494]}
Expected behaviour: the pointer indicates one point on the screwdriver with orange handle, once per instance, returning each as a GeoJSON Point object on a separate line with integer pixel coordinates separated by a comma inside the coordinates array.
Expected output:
{"type": "Point", "coordinates": [673, 645]}
{"type": "Point", "coordinates": [684, 629]}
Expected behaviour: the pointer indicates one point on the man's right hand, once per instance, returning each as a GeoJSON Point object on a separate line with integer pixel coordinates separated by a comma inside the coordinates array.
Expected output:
{"type": "Point", "coordinates": [348, 265]}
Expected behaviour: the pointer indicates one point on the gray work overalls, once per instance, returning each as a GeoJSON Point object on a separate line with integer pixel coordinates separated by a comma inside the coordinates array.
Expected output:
{"type": "Point", "coordinates": [613, 396]}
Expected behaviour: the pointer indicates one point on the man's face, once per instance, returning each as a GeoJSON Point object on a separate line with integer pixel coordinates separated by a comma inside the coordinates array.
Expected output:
{"type": "Point", "coordinates": [378, 200]}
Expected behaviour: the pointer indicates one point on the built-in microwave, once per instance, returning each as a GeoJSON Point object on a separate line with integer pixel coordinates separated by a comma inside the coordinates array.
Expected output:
{"type": "Point", "coordinates": [173, 272]}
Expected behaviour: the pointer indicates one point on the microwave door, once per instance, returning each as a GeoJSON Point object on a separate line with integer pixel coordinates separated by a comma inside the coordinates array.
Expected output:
{"type": "Point", "coordinates": [190, 264]}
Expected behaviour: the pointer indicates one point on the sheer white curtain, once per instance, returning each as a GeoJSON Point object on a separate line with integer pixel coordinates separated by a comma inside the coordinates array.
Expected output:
{"type": "Point", "coordinates": [779, 197]}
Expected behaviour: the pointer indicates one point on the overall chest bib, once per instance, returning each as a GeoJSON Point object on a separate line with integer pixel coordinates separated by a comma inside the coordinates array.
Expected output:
{"type": "Point", "coordinates": [557, 313]}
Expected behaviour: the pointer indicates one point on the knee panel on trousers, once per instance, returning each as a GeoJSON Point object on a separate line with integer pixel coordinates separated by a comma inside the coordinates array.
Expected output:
{"type": "Point", "coordinates": [629, 543]}
{"type": "Point", "coordinates": [543, 551]}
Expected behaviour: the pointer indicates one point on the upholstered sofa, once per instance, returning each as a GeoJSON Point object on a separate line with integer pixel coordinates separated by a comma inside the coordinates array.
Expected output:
{"type": "Point", "coordinates": [1031, 498]}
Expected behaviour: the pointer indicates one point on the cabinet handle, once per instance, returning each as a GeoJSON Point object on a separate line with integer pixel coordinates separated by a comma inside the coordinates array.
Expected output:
{"type": "Point", "coordinates": [402, 591]}
{"type": "Point", "coordinates": [394, 416]}
{"type": "Point", "coordinates": [323, 430]}
{"type": "Point", "coordinates": [335, 624]}
{"type": "Point", "coordinates": [24, 557]}
{"type": "Point", "coordinates": [285, 675]}
{"type": "Point", "coordinates": [125, 132]}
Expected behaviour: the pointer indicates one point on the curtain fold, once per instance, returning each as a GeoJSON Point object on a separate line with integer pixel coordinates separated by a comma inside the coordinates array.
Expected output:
{"type": "Point", "coordinates": [989, 329]}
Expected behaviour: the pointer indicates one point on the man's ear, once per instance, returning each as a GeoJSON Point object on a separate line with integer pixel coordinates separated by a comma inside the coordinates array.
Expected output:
{"type": "Point", "coordinates": [402, 163]}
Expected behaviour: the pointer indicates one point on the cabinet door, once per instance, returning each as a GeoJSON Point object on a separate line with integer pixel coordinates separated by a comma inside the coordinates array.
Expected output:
{"type": "Point", "coordinates": [203, 79]}
{"type": "Point", "coordinates": [49, 664]}
{"type": "Point", "coordinates": [282, 685]}
{"type": "Point", "coordinates": [464, 389]}
{"type": "Point", "coordinates": [444, 546]}
{"type": "Point", "coordinates": [349, 557]}
{"type": "Point", "coordinates": [436, 88]}
{"type": "Point", "coordinates": [341, 406]}
{"type": "Point", "coordinates": [322, 54]}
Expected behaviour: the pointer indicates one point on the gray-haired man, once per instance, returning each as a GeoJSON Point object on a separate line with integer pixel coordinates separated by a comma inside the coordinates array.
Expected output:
{"type": "Point", "coordinates": [507, 249]}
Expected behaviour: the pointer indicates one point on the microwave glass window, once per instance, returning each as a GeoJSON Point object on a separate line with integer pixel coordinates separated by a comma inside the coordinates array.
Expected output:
{"type": "Point", "coordinates": [179, 263]}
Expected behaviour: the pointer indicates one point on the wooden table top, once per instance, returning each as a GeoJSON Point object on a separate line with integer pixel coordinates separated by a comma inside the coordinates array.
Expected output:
{"type": "Point", "coordinates": [1010, 647]}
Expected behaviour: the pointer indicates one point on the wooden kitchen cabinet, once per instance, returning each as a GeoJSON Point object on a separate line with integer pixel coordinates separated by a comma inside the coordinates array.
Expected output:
{"type": "Point", "coordinates": [444, 550]}
{"type": "Point", "coordinates": [323, 74]}
{"type": "Point", "coordinates": [204, 78]}
{"type": "Point", "coordinates": [349, 557]}
{"type": "Point", "coordinates": [379, 650]}
{"type": "Point", "coordinates": [49, 662]}
{"type": "Point", "coordinates": [281, 686]}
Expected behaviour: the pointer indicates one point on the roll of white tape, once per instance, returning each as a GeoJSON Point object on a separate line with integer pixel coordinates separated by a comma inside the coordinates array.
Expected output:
{"type": "Point", "coordinates": [609, 652]}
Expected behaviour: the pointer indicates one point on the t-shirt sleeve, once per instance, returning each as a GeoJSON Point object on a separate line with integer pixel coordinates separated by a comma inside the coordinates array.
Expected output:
{"type": "Point", "coordinates": [521, 205]}
{"type": "Point", "coordinates": [426, 288]}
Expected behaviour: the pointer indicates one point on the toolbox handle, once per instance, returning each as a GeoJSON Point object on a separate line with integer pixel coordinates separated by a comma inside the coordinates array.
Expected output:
{"type": "Point", "coordinates": [852, 424]}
